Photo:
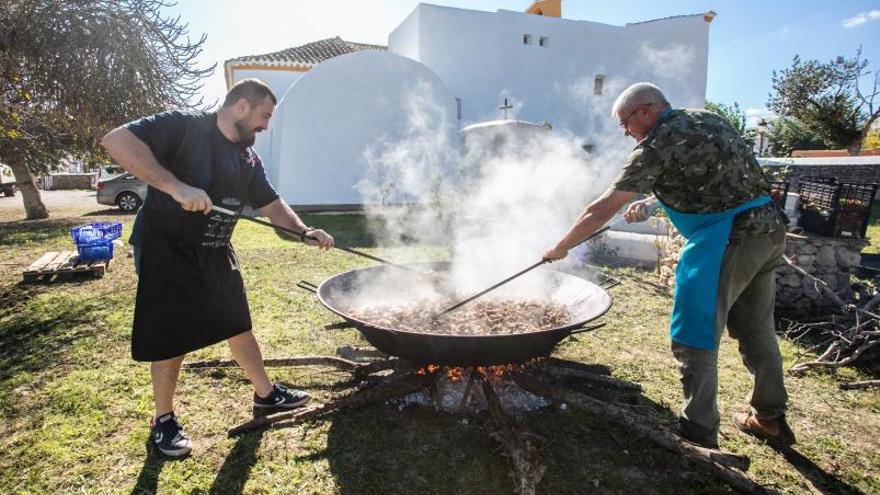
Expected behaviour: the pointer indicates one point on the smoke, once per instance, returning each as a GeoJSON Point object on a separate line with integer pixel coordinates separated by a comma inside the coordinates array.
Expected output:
{"type": "Point", "coordinates": [406, 185]}
{"type": "Point", "coordinates": [669, 63]}
{"type": "Point", "coordinates": [496, 198]}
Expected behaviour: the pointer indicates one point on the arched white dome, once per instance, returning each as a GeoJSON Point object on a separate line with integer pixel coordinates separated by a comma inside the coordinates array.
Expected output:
{"type": "Point", "coordinates": [337, 111]}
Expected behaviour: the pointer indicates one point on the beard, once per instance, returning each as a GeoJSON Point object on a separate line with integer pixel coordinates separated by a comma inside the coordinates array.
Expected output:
{"type": "Point", "coordinates": [246, 136]}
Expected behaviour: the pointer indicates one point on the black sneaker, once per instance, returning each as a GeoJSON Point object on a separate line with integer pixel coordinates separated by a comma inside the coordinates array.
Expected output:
{"type": "Point", "coordinates": [169, 437]}
{"type": "Point", "coordinates": [282, 398]}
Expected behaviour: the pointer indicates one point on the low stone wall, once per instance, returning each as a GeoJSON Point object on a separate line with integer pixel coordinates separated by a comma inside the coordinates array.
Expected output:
{"type": "Point", "coordinates": [68, 181]}
{"type": "Point", "coordinates": [832, 260]}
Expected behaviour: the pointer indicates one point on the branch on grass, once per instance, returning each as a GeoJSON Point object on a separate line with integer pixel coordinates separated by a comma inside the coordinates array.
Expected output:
{"type": "Point", "coordinates": [712, 461]}
{"type": "Point", "coordinates": [835, 348]}
{"type": "Point", "coordinates": [863, 385]}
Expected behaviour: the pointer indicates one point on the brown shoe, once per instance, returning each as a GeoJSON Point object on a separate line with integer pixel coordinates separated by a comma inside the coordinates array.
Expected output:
{"type": "Point", "coordinates": [774, 431]}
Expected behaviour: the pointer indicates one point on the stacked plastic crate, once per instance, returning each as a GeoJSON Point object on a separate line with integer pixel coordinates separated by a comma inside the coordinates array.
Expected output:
{"type": "Point", "coordinates": [834, 209]}
{"type": "Point", "coordinates": [94, 242]}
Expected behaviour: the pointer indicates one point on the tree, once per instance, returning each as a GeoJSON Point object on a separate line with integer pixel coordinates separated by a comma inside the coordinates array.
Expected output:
{"type": "Point", "coordinates": [737, 118]}
{"type": "Point", "coordinates": [787, 134]}
{"type": "Point", "coordinates": [70, 71]}
{"type": "Point", "coordinates": [827, 98]}
{"type": "Point", "coordinates": [872, 140]}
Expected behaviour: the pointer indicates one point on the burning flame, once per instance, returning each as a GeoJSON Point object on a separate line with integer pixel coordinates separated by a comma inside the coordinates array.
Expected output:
{"type": "Point", "coordinates": [455, 373]}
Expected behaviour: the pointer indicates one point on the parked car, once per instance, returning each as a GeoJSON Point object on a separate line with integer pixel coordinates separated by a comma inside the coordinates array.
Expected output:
{"type": "Point", "coordinates": [7, 181]}
{"type": "Point", "coordinates": [125, 191]}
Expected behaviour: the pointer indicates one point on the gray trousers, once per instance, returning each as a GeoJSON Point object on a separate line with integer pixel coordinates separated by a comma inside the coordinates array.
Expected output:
{"type": "Point", "coordinates": [746, 296]}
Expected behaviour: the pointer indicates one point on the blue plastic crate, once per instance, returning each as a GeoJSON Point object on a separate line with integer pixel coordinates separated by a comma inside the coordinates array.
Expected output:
{"type": "Point", "coordinates": [85, 234]}
{"type": "Point", "coordinates": [94, 241]}
{"type": "Point", "coordinates": [95, 251]}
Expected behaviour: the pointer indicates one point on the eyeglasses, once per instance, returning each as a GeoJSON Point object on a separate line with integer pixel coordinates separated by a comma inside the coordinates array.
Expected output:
{"type": "Point", "coordinates": [625, 122]}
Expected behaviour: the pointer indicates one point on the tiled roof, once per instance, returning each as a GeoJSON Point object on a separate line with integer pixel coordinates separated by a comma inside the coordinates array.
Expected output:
{"type": "Point", "coordinates": [307, 55]}
{"type": "Point", "coordinates": [710, 13]}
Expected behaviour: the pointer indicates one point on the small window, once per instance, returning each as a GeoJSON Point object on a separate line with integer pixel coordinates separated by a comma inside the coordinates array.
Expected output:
{"type": "Point", "coordinates": [527, 39]}
{"type": "Point", "coordinates": [543, 41]}
{"type": "Point", "coordinates": [598, 84]}
{"type": "Point", "coordinates": [458, 107]}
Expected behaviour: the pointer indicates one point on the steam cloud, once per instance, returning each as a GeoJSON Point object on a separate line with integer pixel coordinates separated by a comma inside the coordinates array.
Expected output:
{"type": "Point", "coordinates": [670, 62]}
{"type": "Point", "coordinates": [496, 201]}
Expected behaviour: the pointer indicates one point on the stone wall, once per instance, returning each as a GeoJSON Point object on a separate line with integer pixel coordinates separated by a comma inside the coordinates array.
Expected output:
{"type": "Point", "coordinates": [68, 181]}
{"type": "Point", "coordinates": [830, 259]}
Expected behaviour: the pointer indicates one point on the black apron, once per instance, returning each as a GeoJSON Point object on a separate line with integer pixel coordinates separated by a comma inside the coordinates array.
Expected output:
{"type": "Point", "coordinates": [190, 291]}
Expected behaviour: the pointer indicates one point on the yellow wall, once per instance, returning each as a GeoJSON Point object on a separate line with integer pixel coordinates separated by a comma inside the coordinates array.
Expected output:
{"type": "Point", "coordinates": [230, 71]}
{"type": "Point", "coordinates": [550, 8]}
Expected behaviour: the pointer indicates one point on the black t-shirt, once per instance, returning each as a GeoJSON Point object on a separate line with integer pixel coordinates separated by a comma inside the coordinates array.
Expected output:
{"type": "Point", "coordinates": [191, 146]}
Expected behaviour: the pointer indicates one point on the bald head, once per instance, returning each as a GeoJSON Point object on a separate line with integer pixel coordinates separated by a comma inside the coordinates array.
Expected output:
{"type": "Point", "coordinates": [641, 93]}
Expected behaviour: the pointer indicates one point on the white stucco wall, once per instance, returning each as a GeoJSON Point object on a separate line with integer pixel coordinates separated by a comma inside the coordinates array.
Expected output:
{"type": "Point", "coordinates": [482, 58]}
{"type": "Point", "coordinates": [336, 112]}
{"type": "Point", "coordinates": [406, 36]}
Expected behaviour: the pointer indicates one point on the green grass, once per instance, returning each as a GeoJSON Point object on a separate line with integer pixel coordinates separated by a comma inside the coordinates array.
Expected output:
{"type": "Point", "coordinates": [873, 232]}
{"type": "Point", "coordinates": [74, 406]}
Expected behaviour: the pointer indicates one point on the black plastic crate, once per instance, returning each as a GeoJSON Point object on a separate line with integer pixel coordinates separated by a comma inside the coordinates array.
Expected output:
{"type": "Point", "coordinates": [817, 179]}
{"type": "Point", "coordinates": [836, 210]}
{"type": "Point", "coordinates": [779, 193]}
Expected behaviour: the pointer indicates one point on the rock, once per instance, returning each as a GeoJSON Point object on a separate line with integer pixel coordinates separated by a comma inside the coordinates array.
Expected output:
{"type": "Point", "coordinates": [830, 279]}
{"type": "Point", "coordinates": [809, 289]}
{"type": "Point", "coordinates": [826, 256]}
{"type": "Point", "coordinates": [805, 261]}
{"type": "Point", "coordinates": [790, 280]}
{"type": "Point", "coordinates": [806, 248]}
{"type": "Point", "coordinates": [789, 295]}
{"type": "Point", "coordinates": [849, 258]}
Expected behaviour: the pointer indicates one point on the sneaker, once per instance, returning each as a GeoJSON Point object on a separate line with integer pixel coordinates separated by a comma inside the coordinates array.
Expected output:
{"type": "Point", "coordinates": [282, 398]}
{"type": "Point", "coordinates": [168, 435]}
{"type": "Point", "coordinates": [775, 432]}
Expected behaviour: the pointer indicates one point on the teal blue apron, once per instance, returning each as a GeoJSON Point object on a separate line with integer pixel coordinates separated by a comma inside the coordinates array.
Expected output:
{"type": "Point", "coordinates": [699, 270]}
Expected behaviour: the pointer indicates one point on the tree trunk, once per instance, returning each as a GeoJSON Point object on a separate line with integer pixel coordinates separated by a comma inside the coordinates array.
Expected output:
{"type": "Point", "coordinates": [855, 147]}
{"type": "Point", "coordinates": [33, 204]}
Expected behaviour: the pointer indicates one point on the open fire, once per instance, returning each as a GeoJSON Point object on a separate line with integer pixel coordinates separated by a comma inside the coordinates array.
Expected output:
{"type": "Point", "coordinates": [497, 397]}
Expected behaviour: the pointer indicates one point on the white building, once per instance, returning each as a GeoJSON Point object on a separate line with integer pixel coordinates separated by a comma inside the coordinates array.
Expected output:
{"type": "Point", "coordinates": [559, 71]}
{"type": "Point", "coordinates": [548, 64]}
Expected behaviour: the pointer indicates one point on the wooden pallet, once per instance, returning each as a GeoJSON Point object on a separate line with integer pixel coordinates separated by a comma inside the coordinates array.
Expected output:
{"type": "Point", "coordinates": [57, 263]}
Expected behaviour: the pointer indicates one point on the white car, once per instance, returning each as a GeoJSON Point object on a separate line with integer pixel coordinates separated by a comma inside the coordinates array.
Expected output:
{"type": "Point", "coordinates": [7, 181]}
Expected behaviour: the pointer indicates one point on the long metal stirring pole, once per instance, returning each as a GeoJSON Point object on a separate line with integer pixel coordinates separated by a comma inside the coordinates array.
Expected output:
{"type": "Point", "coordinates": [301, 235]}
{"type": "Point", "coordinates": [508, 279]}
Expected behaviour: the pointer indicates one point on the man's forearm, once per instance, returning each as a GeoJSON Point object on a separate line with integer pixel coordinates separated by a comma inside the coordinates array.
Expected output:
{"type": "Point", "coordinates": [595, 216]}
{"type": "Point", "coordinates": [136, 157]}
{"type": "Point", "coordinates": [282, 215]}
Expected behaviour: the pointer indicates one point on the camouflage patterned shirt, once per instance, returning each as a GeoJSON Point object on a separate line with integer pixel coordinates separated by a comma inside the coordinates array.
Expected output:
{"type": "Point", "coordinates": [696, 162]}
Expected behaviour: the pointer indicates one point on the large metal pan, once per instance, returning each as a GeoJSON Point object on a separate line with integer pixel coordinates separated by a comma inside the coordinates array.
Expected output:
{"type": "Point", "coordinates": [346, 292]}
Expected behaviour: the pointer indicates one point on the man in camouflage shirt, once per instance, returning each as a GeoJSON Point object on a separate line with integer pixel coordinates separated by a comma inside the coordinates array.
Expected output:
{"type": "Point", "coordinates": [695, 162]}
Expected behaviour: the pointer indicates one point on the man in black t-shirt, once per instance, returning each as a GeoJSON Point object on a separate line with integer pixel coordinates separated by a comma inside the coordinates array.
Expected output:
{"type": "Point", "coordinates": [190, 291]}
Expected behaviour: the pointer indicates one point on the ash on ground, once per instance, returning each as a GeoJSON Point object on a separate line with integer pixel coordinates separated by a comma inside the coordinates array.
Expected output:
{"type": "Point", "coordinates": [450, 393]}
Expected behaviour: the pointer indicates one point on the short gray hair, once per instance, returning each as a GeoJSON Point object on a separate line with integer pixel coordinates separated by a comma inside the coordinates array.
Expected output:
{"type": "Point", "coordinates": [640, 93]}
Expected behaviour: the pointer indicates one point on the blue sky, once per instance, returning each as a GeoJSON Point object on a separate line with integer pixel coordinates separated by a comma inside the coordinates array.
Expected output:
{"type": "Point", "coordinates": [747, 41]}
